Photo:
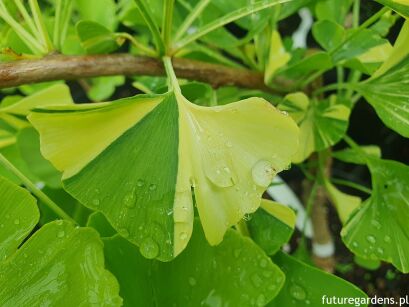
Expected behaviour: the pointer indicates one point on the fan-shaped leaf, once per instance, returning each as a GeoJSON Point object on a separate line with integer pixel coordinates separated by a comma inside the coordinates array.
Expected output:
{"type": "Point", "coordinates": [387, 90]}
{"type": "Point", "coordinates": [60, 265]}
{"type": "Point", "coordinates": [322, 123]}
{"type": "Point", "coordinates": [235, 273]}
{"type": "Point", "coordinates": [152, 150]}
{"type": "Point", "coordinates": [301, 288]}
{"type": "Point", "coordinates": [378, 229]}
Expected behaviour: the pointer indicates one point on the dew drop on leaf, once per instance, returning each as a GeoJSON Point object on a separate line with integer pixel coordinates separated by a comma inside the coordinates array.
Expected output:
{"type": "Point", "coordinates": [152, 187]}
{"type": "Point", "coordinates": [263, 173]}
{"type": "Point", "coordinates": [60, 234]}
{"type": "Point", "coordinates": [140, 183]}
{"type": "Point", "coordinates": [16, 221]}
{"type": "Point", "coordinates": [371, 239]}
{"type": "Point", "coordinates": [261, 300]}
{"type": "Point", "coordinates": [387, 239]}
{"type": "Point", "coordinates": [192, 281]}
{"type": "Point", "coordinates": [298, 292]}
{"type": "Point", "coordinates": [149, 248]}
{"type": "Point", "coordinates": [124, 232]}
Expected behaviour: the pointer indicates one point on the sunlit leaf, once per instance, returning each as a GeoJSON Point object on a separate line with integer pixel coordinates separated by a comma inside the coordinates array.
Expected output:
{"type": "Point", "coordinates": [235, 273]}
{"type": "Point", "coordinates": [95, 38]}
{"type": "Point", "coordinates": [271, 226]}
{"type": "Point", "coordinates": [308, 286]}
{"type": "Point", "coordinates": [152, 150]}
{"type": "Point", "coordinates": [322, 123]}
{"type": "Point", "coordinates": [378, 230]}
{"type": "Point", "coordinates": [328, 34]}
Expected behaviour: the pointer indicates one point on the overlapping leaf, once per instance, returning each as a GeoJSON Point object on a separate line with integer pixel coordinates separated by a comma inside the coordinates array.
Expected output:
{"type": "Point", "coordinates": [400, 6]}
{"type": "Point", "coordinates": [235, 273]}
{"type": "Point", "coordinates": [322, 123]}
{"type": "Point", "coordinates": [378, 229]}
{"type": "Point", "coordinates": [59, 265]}
{"type": "Point", "coordinates": [152, 150]}
{"type": "Point", "coordinates": [271, 226]}
{"type": "Point", "coordinates": [387, 90]}
{"type": "Point", "coordinates": [307, 286]}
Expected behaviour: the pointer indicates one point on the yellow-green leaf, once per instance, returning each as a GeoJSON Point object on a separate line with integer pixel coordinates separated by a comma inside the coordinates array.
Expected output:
{"type": "Point", "coordinates": [154, 150]}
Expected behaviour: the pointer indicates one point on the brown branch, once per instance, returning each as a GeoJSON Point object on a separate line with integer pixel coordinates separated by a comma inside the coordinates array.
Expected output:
{"type": "Point", "coordinates": [62, 67]}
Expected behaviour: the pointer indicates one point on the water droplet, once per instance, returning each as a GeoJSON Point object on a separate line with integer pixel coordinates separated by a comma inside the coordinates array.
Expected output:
{"type": "Point", "coordinates": [16, 221]}
{"type": "Point", "coordinates": [237, 253]}
{"type": "Point", "coordinates": [263, 173]}
{"type": "Point", "coordinates": [130, 200]}
{"type": "Point", "coordinates": [298, 292]}
{"type": "Point", "coordinates": [152, 187]}
{"type": "Point", "coordinates": [380, 250]}
{"type": "Point", "coordinates": [183, 236]}
{"type": "Point", "coordinates": [263, 263]}
{"type": "Point", "coordinates": [257, 281]}
{"type": "Point", "coordinates": [140, 183]}
{"type": "Point", "coordinates": [60, 234]}
{"type": "Point", "coordinates": [192, 281]}
{"type": "Point", "coordinates": [124, 232]}
{"type": "Point", "coordinates": [376, 224]}
{"type": "Point", "coordinates": [261, 300]}
{"type": "Point", "coordinates": [371, 239]}
{"type": "Point", "coordinates": [355, 244]}
{"type": "Point", "coordinates": [96, 202]}
{"type": "Point", "coordinates": [387, 239]}
{"type": "Point", "coordinates": [59, 222]}
{"type": "Point", "coordinates": [149, 248]}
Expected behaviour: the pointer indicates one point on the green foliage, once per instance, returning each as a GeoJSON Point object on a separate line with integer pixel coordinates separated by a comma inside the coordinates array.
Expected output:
{"type": "Point", "coordinates": [166, 187]}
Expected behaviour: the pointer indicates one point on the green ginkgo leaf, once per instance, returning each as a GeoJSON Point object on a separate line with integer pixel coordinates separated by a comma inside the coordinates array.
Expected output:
{"type": "Point", "coordinates": [18, 216]}
{"type": "Point", "coordinates": [234, 273]}
{"type": "Point", "coordinates": [60, 265]}
{"type": "Point", "coordinates": [378, 229]}
{"type": "Point", "coordinates": [322, 123]}
{"type": "Point", "coordinates": [153, 150]}
{"type": "Point", "coordinates": [400, 6]}
{"type": "Point", "coordinates": [271, 226]}
{"type": "Point", "coordinates": [387, 89]}
{"type": "Point", "coordinates": [301, 290]}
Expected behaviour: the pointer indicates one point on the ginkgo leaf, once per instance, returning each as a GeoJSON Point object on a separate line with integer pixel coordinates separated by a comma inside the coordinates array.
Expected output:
{"type": "Point", "coordinates": [344, 203]}
{"type": "Point", "coordinates": [18, 216]}
{"type": "Point", "coordinates": [235, 273]}
{"type": "Point", "coordinates": [400, 6]}
{"type": "Point", "coordinates": [58, 94]}
{"type": "Point", "coordinates": [60, 265]}
{"type": "Point", "coordinates": [306, 285]}
{"type": "Point", "coordinates": [322, 123]}
{"type": "Point", "coordinates": [152, 150]}
{"type": "Point", "coordinates": [387, 90]}
{"type": "Point", "coordinates": [271, 226]}
{"type": "Point", "coordinates": [278, 57]}
{"type": "Point", "coordinates": [378, 229]}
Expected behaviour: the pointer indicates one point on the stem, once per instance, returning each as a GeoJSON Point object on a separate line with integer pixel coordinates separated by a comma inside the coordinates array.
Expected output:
{"type": "Point", "coordinates": [147, 16]}
{"type": "Point", "coordinates": [356, 13]}
{"type": "Point", "coordinates": [38, 20]}
{"type": "Point", "coordinates": [167, 24]}
{"type": "Point", "coordinates": [148, 51]}
{"type": "Point", "coordinates": [309, 205]}
{"type": "Point", "coordinates": [332, 87]}
{"type": "Point", "coordinates": [351, 184]}
{"type": "Point", "coordinates": [194, 13]}
{"type": "Point", "coordinates": [30, 41]}
{"type": "Point", "coordinates": [340, 78]}
{"type": "Point", "coordinates": [173, 80]}
{"type": "Point", "coordinates": [36, 191]}
{"type": "Point", "coordinates": [26, 16]}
